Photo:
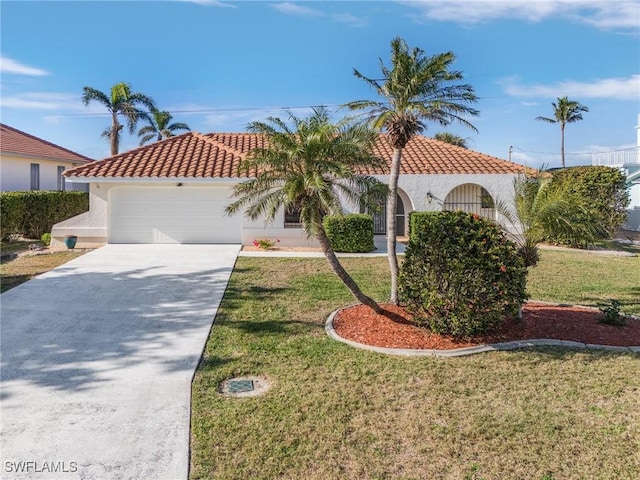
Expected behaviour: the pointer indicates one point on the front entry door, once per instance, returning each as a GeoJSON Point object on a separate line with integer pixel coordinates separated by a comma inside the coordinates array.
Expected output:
{"type": "Point", "coordinates": [380, 218]}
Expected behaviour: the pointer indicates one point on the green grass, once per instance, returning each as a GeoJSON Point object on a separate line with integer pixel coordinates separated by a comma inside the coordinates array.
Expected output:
{"type": "Point", "coordinates": [19, 270]}
{"type": "Point", "coordinates": [586, 279]}
{"type": "Point", "coordinates": [335, 412]}
{"type": "Point", "coordinates": [17, 246]}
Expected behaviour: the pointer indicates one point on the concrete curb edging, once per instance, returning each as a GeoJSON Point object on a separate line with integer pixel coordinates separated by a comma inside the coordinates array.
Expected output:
{"type": "Point", "coordinates": [460, 352]}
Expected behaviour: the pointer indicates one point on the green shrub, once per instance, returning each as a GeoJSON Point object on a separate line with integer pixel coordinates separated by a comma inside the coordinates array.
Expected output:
{"type": "Point", "coordinates": [351, 233]}
{"type": "Point", "coordinates": [418, 221]}
{"type": "Point", "coordinates": [612, 315]}
{"type": "Point", "coordinates": [461, 276]}
{"type": "Point", "coordinates": [46, 239]}
{"type": "Point", "coordinates": [603, 193]}
{"type": "Point", "coordinates": [33, 213]}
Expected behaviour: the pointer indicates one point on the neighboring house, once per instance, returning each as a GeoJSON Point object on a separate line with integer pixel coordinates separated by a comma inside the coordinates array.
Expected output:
{"type": "Point", "coordinates": [176, 191]}
{"type": "Point", "coordinates": [30, 163]}
{"type": "Point", "coordinates": [628, 161]}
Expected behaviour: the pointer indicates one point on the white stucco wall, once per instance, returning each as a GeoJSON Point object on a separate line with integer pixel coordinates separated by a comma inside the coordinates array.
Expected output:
{"type": "Point", "coordinates": [92, 227]}
{"type": "Point", "coordinates": [500, 187]}
{"type": "Point", "coordinates": [15, 173]}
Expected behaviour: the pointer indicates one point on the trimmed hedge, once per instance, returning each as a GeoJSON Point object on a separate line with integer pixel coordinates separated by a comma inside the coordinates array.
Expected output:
{"type": "Point", "coordinates": [418, 222]}
{"type": "Point", "coordinates": [351, 233]}
{"type": "Point", "coordinates": [602, 190]}
{"type": "Point", "coordinates": [461, 276]}
{"type": "Point", "coordinates": [31, 214]}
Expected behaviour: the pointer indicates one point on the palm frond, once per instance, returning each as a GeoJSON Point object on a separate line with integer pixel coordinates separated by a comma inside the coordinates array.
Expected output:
{"type": "Point", "coordinates": [90, 94]}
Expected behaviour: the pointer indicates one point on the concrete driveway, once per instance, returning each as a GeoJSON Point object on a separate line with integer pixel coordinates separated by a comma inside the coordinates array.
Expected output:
{"type": "Point", "coordinates": [97, 361]}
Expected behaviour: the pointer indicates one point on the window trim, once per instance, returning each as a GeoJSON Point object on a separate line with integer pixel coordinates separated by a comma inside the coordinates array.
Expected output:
{"type": "Point", "coordinates": [34, 171]}
{"type": "Point", "coordinates": [62, 183]}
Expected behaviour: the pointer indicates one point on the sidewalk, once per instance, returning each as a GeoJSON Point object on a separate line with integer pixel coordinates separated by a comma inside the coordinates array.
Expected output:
{"type": "Point", "coordinates": [379, 242]}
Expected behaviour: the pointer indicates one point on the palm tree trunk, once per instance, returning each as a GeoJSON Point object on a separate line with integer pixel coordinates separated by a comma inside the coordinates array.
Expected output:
{"type": "Point", "coordinates": [115, 132]}
{"type": "Point", "coordinates": [391, 222]}
{"type": "Point", "coordinates": [342, 274]}
{"type": "Point", "coordinates": [562, 144]}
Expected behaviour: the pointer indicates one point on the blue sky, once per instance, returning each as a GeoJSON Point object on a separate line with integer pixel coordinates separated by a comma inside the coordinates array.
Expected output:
{"type": "Point", "coordinates": [219, 65]}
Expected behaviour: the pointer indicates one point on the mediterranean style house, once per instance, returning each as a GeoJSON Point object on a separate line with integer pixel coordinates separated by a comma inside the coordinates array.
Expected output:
{"type": "Point", "coordinates": [176, 191]}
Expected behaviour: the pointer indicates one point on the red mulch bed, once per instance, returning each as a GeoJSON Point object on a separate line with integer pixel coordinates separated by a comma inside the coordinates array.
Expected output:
{"type": "Point", "coordinates": [361, 324]}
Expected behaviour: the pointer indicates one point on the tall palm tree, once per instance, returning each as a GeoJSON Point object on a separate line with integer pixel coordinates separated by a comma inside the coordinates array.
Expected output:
{"type": "Point", "coordinates": [121, 101]}
{"type": "Point", "coordinates": [451, 139]}
{"type": "Point", "coordinates": [564, 111]}
{"type": "Point", "coordinates": [160, 127]}
{"type": "Point", "coordinates": [307, 168]}
{"type": "Point", "coordinates": [414, 90]}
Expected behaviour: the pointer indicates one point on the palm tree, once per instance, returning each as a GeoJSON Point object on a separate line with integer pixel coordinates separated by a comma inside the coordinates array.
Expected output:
{"type": "Point", "coordinates": [416, 89]}
{"type": "Point", "coordinates": [451, 139]}
{"type": "Point", "coordinates": [541, 211]}
{"type": "Point", "coordinates": [307, 168]}
{"type": "Point", "coordinates": [160, 127]}
{"type": "Point", "coordinates": [120, 101]}
{"type": "Point", "coordinates": [565, 111]}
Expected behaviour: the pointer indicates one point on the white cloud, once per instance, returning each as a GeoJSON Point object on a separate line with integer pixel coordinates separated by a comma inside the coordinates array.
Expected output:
{"type": "Point", "coordinates": [50, 101]}
{"type": "Point", "coordinates": [237, 120]}
{"type": "Point", "coordinates": [210, 3]}
{"type": "Point", "coordinates": [525, 159]}
{"type": "Point", "coordinates": [290, 8]}
{"type": "Point", "coordinates": [40, 101]}
{"type": "Point", "coordinates": [349, 19]}
{"type": "Point", "coordinates": [7, 65]}
{"type": "Point", "coordinates": [53, 119]}
{"type": "Point", "coordinates": [611, 88]}
{"type": "Point", "coordinates": [605, 14]}
{"type": "Point", "coordinates": [602, 149]}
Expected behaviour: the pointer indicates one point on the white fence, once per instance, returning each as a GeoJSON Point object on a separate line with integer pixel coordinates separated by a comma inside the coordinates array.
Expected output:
{"type": "Point", "coordinates": [618, 158]}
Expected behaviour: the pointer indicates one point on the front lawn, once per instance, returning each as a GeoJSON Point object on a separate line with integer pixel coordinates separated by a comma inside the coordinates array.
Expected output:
{"type": "Point", "coordinates": [335, 412]}
{"type": "Point", "coordinates": [25, 267]}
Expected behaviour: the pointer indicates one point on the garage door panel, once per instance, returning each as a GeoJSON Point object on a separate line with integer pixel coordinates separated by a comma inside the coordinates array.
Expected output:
{"type": "Point", "coordinates": [172, 215]}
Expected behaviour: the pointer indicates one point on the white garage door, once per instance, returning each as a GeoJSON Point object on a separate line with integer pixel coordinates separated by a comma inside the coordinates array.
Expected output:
{"type": "Point", "coordinates": [172, 215]}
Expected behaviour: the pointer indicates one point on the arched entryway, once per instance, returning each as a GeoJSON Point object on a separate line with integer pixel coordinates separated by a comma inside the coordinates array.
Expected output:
{"type": "Point", "coordinates": [471, 198]}
{"type": "Point", "coordinates": [380, 218]}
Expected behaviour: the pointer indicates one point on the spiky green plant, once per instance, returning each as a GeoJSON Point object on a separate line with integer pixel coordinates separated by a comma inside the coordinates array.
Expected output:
{"type": "Point", "coordinates": [541, 210]}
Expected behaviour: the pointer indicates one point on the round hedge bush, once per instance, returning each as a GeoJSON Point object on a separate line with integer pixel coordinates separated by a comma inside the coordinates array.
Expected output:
{"type": "Point", "coordinates": [461, 276]}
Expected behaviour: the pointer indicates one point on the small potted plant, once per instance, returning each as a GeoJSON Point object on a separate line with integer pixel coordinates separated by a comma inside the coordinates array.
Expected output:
{"type": "Point", "coordinates": [70, 241]}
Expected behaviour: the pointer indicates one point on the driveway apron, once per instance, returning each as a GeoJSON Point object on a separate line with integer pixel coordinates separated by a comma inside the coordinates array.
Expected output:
{"type": "Point", "coordinates": [97, 358]}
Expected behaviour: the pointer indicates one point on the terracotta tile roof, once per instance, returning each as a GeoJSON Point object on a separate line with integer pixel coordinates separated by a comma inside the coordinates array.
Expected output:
{"type": "Point", "coordinates": [217, 155]}
{"type": "Point", "coordinates": [424, 155]}
{"type": "Point", "coordinates": [17, 142]}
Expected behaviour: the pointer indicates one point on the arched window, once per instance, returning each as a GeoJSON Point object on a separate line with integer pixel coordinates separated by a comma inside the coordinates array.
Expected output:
{"type": "Point", "coordinates": [471, 198]}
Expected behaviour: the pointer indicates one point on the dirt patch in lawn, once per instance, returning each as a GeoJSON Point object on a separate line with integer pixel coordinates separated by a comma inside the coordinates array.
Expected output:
{"type": "Point", "coordinates": [361, 324]}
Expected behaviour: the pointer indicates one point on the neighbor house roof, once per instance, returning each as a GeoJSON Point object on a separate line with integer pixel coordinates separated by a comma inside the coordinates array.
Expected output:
{"type": "Point", "coordinates": [18, 143]}
{"type": "Point", "coordinates": [218, 155]}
